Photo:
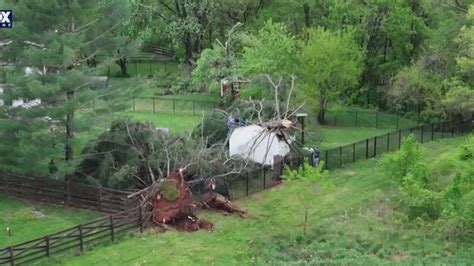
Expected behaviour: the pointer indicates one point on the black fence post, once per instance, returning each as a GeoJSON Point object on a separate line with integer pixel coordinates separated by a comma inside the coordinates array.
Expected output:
{"type": "Point", "coordinates": [367, 149]}
{"type": "Point", "coordinates": [375, 146]}
{"type": "Point", "coordinates": [264, 177]}
{"type": "Point", "coordinates": [418, 115]}
{"type": "Point", "coordinates": [247, 184]}
{"type": "Point", "coordinates": [174, 106]}
{"type": "Point", "coordinates": [353, 152]}
{"type": "Point", "coordinates": [154, 110]}
{"type": "Point", "coordinates": [340, 156]}
{"type": "Point", "coordinates": [327, 162]}
{"type": "Point", "coordinates": [376, 119]}
{"type": "Point", "coordinates": [399, 138]}
{"type": "Point", "coordinates": [388, 141]}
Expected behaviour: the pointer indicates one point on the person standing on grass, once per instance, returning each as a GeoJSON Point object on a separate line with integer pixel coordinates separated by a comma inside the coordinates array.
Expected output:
{"type": "Point", "coordinates": [53, 169]}
{"type": "Point", "coordinates": [315, 156]}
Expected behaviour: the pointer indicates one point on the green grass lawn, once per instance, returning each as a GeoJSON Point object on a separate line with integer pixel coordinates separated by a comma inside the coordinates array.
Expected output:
{"type": "Point", "coordinates": [31, 220]}
{"type": "Point", "coordinates": [176, 123]}
{"type": "Point", "coordinates": [356, 222]}
{"type": "Point", "coordinates": [330, 137]}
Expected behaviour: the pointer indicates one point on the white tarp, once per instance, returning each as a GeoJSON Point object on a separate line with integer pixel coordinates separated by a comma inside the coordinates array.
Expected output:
{"type": "Point", "coordinates": [257, 144]}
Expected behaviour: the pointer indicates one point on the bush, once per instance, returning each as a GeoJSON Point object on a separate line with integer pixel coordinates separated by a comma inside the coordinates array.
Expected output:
{"type": "Point", "coordinates": [406, 167]}
{"type": "Point", "coordinates": [399, 164]}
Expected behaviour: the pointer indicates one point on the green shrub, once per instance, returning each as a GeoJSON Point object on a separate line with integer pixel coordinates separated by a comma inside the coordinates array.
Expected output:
{"type": "Point", "coordinates": [399, 164]}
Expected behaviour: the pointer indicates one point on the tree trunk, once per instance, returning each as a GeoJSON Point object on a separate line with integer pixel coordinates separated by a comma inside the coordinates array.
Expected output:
{"type": "Point", "coordinates": [122, 62]}
{"type": "Point", "coordinates": [188, 47]}
{"type": "Point", "coordinates": [322, 111]}
{"type": "Point", "coordinates": [69, 149]}
{"type": "Point", "coordinates": [307, 20]}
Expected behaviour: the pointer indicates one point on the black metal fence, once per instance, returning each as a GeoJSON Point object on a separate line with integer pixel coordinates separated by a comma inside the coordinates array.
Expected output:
{"type": "Point", "coordinates": [372, 119]}
{"type": "Point", "coordinates": [372, 147]}
{"type": "Point", "coordinates": [172, 105]}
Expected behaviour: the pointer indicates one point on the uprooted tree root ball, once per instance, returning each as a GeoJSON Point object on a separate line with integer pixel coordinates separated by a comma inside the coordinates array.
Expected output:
{"type": "Point", "coordinates": [174, 205]}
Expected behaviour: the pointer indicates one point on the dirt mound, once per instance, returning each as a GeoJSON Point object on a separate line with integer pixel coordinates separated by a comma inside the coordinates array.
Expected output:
{"type": "Point", "coordinates": [174, 205]}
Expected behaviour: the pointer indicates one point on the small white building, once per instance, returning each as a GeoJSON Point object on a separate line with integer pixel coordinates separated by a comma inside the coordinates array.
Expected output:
{"type": "Point", "coordinates": [258, 144]}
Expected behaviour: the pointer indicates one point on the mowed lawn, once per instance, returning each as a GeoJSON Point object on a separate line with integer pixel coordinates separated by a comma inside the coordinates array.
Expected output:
{"type": "Point", "coordinates": [355, 222]}
{"type": "Point", "coordinates": [28, 220]}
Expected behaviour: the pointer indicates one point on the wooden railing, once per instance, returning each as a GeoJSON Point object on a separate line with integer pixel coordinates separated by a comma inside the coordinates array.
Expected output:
{"type": "Point", "coordinates": [77, 238]}
{"type": "Point", "coordinates": [41, 189]}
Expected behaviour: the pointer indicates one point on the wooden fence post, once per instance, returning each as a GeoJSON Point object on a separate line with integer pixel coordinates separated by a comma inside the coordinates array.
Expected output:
{"type": "Point", "coordinates": [100, 199]}
{"type": "Point", "coordinates": [47, 245]}
{"type": "Point", "coordinates": [112, 228]}
{"type": "Point", "coordinates": [140, 217]}
{"type": "Point", "coordinates": [12, 258]}
{"type": "Point", "coordinates": [81, 239]}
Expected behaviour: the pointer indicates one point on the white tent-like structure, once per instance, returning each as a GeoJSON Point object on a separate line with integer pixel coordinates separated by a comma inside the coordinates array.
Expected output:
{"type": "Point", "coordinates": [258, 144]}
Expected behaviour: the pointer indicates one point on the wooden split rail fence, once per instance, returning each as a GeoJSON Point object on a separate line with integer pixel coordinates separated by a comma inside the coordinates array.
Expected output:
{"type": "Point", "coordinates": [77, 238]}
{"type": "Point", "coordinates": [41, 189]}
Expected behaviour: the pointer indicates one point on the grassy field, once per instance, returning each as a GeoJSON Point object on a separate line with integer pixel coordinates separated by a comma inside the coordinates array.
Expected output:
{"type": "Point", "coordinates": [356, 222]}
{"type": "Point", "coordinates": [29, 220]}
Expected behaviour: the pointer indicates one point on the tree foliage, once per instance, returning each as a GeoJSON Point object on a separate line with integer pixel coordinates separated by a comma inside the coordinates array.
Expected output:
{"type": "Point", "coordinates": [306, 183]}
{"type": "Point", "coordinates": [271, 51]}
{"type": "Point", "coordinates": [329, 63]}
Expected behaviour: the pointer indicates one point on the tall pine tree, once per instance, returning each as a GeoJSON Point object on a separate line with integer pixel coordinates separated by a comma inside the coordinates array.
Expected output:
{"type": "Point", "coordinates": [65, 44]}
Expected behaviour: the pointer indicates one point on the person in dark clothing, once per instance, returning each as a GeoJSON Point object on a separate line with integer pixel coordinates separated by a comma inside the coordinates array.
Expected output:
{"type": "Point", "coordinates": [53, 169]}
{"type": "Point", "coordinates": [315, 156]}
